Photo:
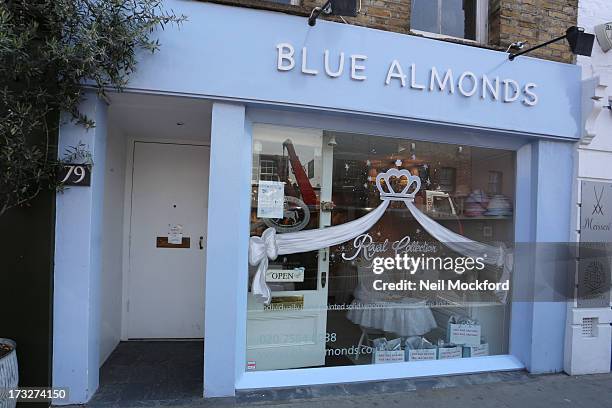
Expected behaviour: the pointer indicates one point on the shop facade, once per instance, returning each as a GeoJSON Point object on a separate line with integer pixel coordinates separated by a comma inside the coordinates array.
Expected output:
{"type": "Point", "coordinates": [271, 110]}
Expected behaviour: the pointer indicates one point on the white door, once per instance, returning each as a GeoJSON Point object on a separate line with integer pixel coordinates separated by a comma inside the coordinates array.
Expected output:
{"type": "Point", "coordinates": [166, 281]}
{"type": "Point", "coordinates": [282, 339]}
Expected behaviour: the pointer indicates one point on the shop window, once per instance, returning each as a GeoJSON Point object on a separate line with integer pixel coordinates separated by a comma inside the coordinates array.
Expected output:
{"type": "Point", "coordinates": [452, 18]}
{"type": "Point", "coordinates": [326, 305]}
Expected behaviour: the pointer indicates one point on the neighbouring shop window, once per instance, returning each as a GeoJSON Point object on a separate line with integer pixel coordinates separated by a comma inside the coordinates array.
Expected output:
{"type": "Point", "coordinates": [269, 169]}
{"type": "Point", "coordinates": [495, 182]}
{"type": "Point", "coordinates": [327, 307]}
{"type": "Point", "coordinates": [447, 179]}
{"type": "Point", "coordinates": [454, 18]}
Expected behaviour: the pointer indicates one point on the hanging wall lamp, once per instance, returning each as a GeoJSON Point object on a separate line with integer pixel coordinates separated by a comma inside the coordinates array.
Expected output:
{"type": "Point", "coordinates": [346, 8]}
{"type": "Point", "coordinates": [580, 42]}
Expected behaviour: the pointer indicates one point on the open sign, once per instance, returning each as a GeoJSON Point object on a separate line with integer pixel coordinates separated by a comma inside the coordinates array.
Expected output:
{"type": "Point", "coordinates": [285, 275]}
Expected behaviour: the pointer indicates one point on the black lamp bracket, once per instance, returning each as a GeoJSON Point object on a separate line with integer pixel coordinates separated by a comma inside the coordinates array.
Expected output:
{"type": "Point", "coordinates": [316, 12]}
{"type": "Point", "coordinates": [511, 57]}
{"type": "Point", "coordinates": [581, 43]}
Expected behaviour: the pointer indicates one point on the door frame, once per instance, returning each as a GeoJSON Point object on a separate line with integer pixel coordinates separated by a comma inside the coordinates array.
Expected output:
{"type": "Point", "coordinates": [127, 218]}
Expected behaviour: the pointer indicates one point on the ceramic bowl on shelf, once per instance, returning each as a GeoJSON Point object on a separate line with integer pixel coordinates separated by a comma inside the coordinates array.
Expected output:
{"type": "Point", "coordinates": [476, 204]}
{"type": "Point", "coordinates": [499, 206]}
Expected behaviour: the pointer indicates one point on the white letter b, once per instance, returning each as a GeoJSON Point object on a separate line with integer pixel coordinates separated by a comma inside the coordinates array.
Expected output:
{"type": "Point", "coordinates": [285, 53]}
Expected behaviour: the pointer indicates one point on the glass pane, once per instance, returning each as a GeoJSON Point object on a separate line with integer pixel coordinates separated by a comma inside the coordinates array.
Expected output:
{"type": "Point", "coordinates": [285, 159]}
{"type": "Point", "coordinates": [459, 18]}
{"type": "Point", "coordinates": [342, 310]}
{"type": "Point", "coordinates": [424, 16]}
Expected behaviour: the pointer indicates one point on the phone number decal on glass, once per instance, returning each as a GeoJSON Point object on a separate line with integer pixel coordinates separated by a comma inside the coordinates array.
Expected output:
{"type": "Point", "coordinates": [295, 338]}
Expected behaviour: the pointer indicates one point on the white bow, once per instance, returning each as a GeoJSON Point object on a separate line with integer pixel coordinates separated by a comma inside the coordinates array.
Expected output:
{"type": "Point", "coordinates": [260, 250]}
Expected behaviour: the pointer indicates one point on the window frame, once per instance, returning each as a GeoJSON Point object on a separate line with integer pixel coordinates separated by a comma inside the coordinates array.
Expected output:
{"type": "Point", "coordinates": [482, 24]}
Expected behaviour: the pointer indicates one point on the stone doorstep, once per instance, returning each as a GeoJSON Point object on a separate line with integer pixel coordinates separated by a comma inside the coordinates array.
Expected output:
{"type": "Point", "coordinates": [278, 395]}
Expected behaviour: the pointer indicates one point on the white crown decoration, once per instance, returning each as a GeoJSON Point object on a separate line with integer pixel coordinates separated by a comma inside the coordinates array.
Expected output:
{"type": "Point", "coordinates": [389, 193]}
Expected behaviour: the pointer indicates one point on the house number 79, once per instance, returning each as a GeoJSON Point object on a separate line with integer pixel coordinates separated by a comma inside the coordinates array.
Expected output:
{"type": "Point", "coordinates": [75, 175]}
{"type": "Point", "coordinates": [79, 172]}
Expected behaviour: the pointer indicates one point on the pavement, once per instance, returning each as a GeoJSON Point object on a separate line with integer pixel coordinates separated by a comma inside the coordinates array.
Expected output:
{"type": "Point", "coordinates": [516, 389]}
{"type": "Point", "coordinates": [169, 375]}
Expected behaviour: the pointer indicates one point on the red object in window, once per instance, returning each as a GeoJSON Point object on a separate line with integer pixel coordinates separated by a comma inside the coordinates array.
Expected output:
{"type": "Point", "coordinates": [308, 195]}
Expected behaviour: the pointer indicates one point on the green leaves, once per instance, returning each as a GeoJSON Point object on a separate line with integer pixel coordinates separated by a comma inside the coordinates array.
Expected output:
{"type": "Point", "coordinates": [48, 49]}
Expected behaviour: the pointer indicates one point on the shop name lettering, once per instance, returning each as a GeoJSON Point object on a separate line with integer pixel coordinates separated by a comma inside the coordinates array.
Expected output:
{"type": "Point", "coordinates": [365, 246]}
{"type": "Point", "coordinates": [593, 226]}
{"type": "Point", "coordinates": [467, 83]}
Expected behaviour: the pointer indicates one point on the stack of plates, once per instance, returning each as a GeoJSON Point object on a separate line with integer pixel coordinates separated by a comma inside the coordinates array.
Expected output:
{"type": "Point", "coordinates": [499, 206]}
{"type": "Point", "coordinates": [476, 204]}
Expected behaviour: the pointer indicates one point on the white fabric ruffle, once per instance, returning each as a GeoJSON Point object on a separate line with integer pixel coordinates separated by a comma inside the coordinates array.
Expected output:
{"type": "Point", "coordinates": [409, 317]}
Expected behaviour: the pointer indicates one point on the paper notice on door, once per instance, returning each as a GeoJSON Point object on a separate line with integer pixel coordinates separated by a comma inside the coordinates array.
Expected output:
{"type": "Point", "coordinates": [270, 199]}
{"type": "Point", "coordinates": [175, 234]}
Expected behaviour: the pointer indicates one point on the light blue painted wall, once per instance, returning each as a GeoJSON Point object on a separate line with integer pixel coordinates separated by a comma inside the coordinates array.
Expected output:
{"type": "Point", "coordinates": [226, 247]}
{"type": "Point", "coordinates": [543, 224]}
{"type": "Point", "coordinates": [414, 130]}
{"type": "Point", "coordinates": [553, 172]}
{"type": "Point", "coordinates": [78, 263]}
{"type": "Point", "coordinates": [230, 53]}
{"type": "Point", "coordinates": [524, 218]}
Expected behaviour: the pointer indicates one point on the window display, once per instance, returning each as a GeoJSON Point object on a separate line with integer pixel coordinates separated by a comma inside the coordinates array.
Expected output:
{"type": "Point", "coordinates": [384, 250]}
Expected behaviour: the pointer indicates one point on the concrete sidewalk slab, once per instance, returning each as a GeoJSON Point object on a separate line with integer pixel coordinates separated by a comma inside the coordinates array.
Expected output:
{"type": "Point", "coordinates": [489, 390]}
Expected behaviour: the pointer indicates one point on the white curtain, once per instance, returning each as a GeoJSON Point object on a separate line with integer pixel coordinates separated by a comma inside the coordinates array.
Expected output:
{"type": "Point", "coordinates": [270, 245]}
{"type": "Point", "coordinates": [491, 255]}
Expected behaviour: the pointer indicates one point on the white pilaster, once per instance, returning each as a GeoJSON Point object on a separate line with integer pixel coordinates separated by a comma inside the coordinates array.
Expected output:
{"type": "Point", "coordinates": [227, 240]}
{"type": "Point", "coordinates": [78, 246]}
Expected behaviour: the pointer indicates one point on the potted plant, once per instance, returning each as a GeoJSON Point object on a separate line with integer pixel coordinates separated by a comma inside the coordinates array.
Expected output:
{"type": "Point", "coordinates": [9, 375]}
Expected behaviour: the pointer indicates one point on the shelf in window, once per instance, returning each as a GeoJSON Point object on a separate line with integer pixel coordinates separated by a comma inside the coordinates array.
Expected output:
{"type": "Point", "coordinates": [479, 217]}
{"type": "Point", "coordinates": [432, 216]}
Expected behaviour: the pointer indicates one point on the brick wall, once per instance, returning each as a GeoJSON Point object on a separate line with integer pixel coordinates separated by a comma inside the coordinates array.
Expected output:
{"type": "Point", "coordinates": [534, 21]}
{"type": "Point", "coordinates": [389, 15]}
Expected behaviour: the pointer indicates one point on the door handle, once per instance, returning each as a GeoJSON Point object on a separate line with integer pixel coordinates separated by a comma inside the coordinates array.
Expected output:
{"type": "Point", "coordinates": [201, 242]}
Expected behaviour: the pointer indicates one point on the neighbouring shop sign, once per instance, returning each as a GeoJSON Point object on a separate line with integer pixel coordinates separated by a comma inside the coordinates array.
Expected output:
{"type": "Point", "coordinates": [71, 174]}
{"type": "Point", "coordinates": [487, 87]}
{"type": "Point", "coordinates": [595, 264]}
{"type": "Point", "coordinates": [596, 212]}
